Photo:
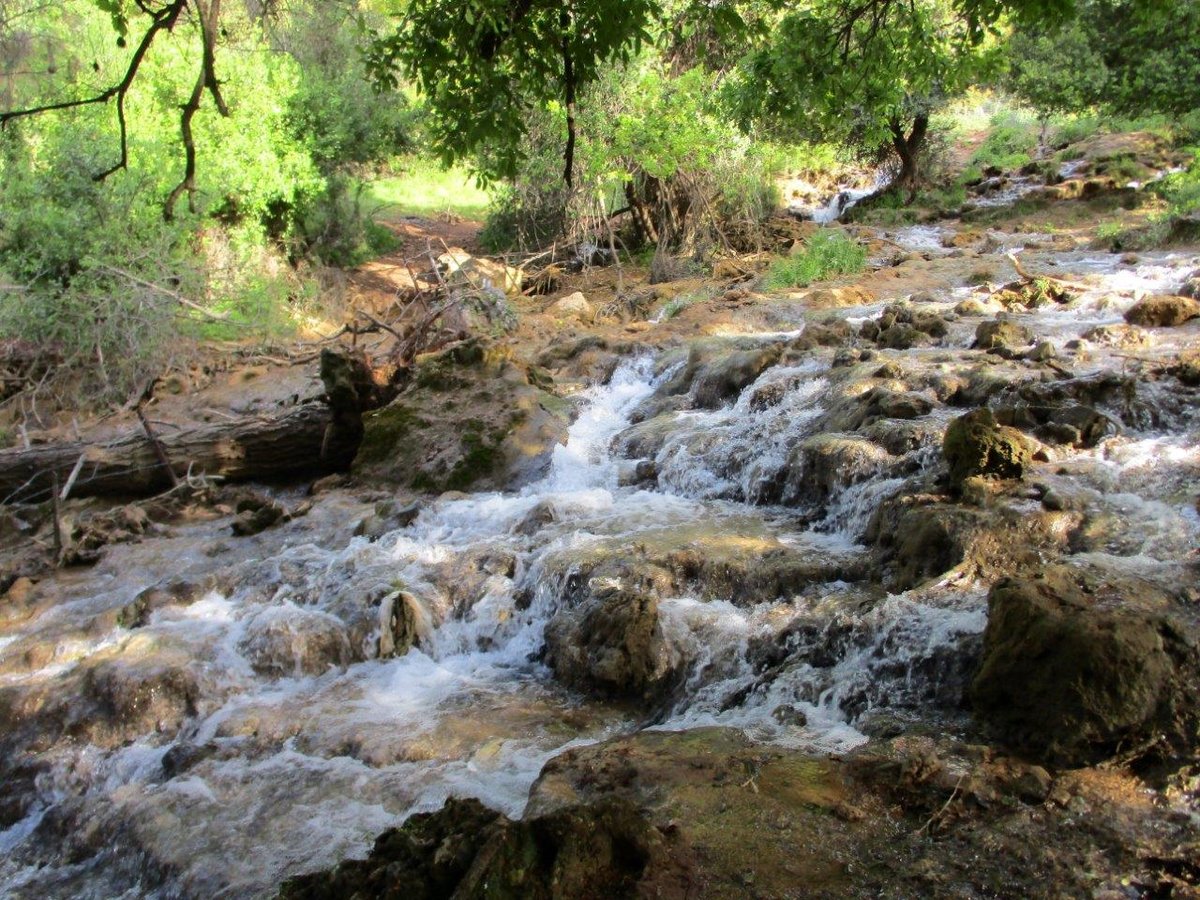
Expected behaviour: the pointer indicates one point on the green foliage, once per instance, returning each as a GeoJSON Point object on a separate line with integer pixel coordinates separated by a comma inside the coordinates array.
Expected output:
{"type": "Point", "coordinates": [819, 77]}
{"type": "Point", "coordinates": [419, 186]}
{"type": "Point", "coordinates": [829, 252]}
{"type": "Point", "coordinates": [1009, 145]}
{"type": "Point", "coordinates": [482, 63]}
{"type": "Point", "coordinates": [1126, 56]}
{"type": "Point", "coordinates": [644, 135]}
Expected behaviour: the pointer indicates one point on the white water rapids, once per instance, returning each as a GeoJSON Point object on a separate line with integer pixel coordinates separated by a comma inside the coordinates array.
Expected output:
{"type": "Point", "coordinates": [293, 764]}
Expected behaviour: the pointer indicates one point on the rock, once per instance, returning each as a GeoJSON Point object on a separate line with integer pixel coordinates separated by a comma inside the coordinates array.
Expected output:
{"type": "Point", "coordinates": [573, 306]}
{"type": "Point", "coordinates": [901, 337]}
{"type": "Point", "coordinates": [463, 269]}
{"type": "Point", "coordinates": [851, 413]}
{"type": "Point", "coordinates": [1003, 337]}
{"type": "Point", "coordinates": [404, 623]}
{"type": "Point", "coordinates": [723, 379]}
{"type": "Point", "coordinates": [825, 464]}
{"type": "Point", "coordinates": [838, 297]}
{"type": "Point", "coordinates": [1072, 424]}
{"type": "Point", "coordinates": [976, 445]}
{"type": "Point", "coordinates": [256, 513]}
{"type": "Point", "coordinates": [470, 418]}
{"type": "Point", "coordinates": [1073, 681]}
{"type": "Point", "coordinates": [605, 849]}
{"type": "Point", "coordinates": [1191, 286]}
{"type": "Point", "coordinates": [1043, 352]}
{"type": "Point", "coordinates": [288, 642]}
{"type": "Point", "coordinates": [611, 644]}
{"type": "Point", "coordinates": [972, 307]}
{"type": "Point", "coordinates": [1122, 337]}
{"type": "Point", "coordinates": [1163, 311]}
{"type": "Point", "coordinates": [536, 519]}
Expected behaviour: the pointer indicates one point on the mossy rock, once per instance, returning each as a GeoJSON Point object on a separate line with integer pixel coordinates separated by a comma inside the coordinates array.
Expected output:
{"type": "Point", "coordinates": [976, 445]}
{"type": "Point", "coordinates": [1073, 682]}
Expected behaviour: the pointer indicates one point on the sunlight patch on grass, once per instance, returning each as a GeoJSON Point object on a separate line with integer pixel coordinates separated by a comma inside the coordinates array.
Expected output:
{"type": "Point", "coordinates": [423, 188]}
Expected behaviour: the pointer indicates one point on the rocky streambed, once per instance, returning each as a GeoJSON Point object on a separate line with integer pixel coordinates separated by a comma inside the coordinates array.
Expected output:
{"type": "Point", "coordinates": [865, 590]}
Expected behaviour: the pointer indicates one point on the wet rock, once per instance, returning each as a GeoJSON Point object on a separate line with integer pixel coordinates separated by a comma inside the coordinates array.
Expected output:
{"type": "Point", "coordinates": [536, 519]}
{"type": "Point", "coordinates": [1163, 311]}
{"type": "Point", "coordinates": [1074, 681]}
{"type": "Point", "coordinates": [288, 642]}
{"type": "Point", "coordinates": [133, 694]}
{"type": "Point", "coordinates": [901, 336]}
{"type": "Point", "coordinates": [137, 612]}
{"type": "Point", "coordinates": [1191, 286]}
{"type": "Point", "coordinates": [328, 483]}
{"type": "Point", "coordinates": [976, 445]}
{"type": "Point", "coordinates": [972, 307]}
{"type": "Point", "coordinates": [404, 623]}
{"type": "Point", "coordinates": [256, 513]}
{"type": "Point", "coordinates": [725, 378]}
{"type": "Point", "coordinates": [1003, 337]}
{"type": "Point", "coordinates": [465, 850]}
{"type": "Point", "coordinates": [645, 439]}
{"type": "Point", "coordinates": [1122, 337]}
{"type": "Point", "coordinates": [1074, 425]}
{"type": "Point", "coordinates": [853, 412]}
{"type": "Point", "coordinates": [825, 464]}
{"type": "Point", "coordinates": [1187, 368]}
{"type": "Point", "coordinates": [612, 644]}
{"type": "Point", "coordinates": [469, 418]}
{"type": "Point", "coordinates": [838, 297]}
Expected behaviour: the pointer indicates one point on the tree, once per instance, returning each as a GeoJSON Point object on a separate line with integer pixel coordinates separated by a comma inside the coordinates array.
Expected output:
{"type": "Point", "coordinates": [1124, 56]}
{"type": "Point", "coordinates": [826, 73]}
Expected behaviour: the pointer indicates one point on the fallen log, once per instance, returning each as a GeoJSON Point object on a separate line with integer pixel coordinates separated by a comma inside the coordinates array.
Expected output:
{"type": "Point", "coordinates": [314, 438]}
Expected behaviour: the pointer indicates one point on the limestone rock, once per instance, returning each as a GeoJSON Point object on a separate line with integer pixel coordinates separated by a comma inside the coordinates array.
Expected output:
{"type": "Point", "coordinates": [1003, 337]}
{"type": "Point", "coordinates": [1073, 682]}
{"type": "Point", "coordinates": [1163, 311]}
{"type": "Point", "coordinates": [573, 306]}
{"type": "Point", "coordinates": [976, 445]}
{"type": "Point", "coordinates": [611, 644]}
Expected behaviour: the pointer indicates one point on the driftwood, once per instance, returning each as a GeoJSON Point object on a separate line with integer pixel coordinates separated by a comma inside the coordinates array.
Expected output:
{"type": "Point", "coordinates": [309, 439]}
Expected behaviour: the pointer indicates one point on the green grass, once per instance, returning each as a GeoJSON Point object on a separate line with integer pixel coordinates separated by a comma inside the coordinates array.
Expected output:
{"type": "Point", "coordinates": [422, 187]}
{"type": "Point", "coordinates": [829, 253]}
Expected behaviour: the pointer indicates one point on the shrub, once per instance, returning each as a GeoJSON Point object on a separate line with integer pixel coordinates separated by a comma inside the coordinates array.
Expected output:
{"type": "Point", "coordinates": [829, 252]}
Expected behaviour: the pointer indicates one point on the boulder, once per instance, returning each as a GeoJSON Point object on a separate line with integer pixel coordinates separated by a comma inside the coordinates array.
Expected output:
{"type": "Point", "coordinates": [604, 849]}
{"type": "Point", "coordinates": [975, 444]}
{"type": "Point", "coordinates": [1003, 337]}
{"type": "Point", "coordinates": [724, 378]}
{"type": "Point", "coordinates": [469, 418]}
{"type": "Point", "coordinates": [1163, 311]}
{"type": "Point", "coordinates": [1073, 681]}
{"type": "Point", "coordinates": [611, 643]}
{"type": "Point", "coordinates": [461, 269]}
{"type": "Point", "coordinates": [288, 642]}
{"type": "Point", "coordinates": [573, 306]}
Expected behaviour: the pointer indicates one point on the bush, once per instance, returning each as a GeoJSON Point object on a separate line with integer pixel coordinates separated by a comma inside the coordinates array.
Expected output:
{"type": "Point", "coordinates": [829, 252]}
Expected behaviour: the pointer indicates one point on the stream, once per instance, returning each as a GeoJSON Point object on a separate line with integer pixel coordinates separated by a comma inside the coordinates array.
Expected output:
{"type": "Point", "coordinates": [250, 724]}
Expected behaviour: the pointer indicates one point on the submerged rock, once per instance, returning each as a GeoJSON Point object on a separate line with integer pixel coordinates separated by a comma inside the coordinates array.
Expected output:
{"type": "Point", "coordinates": [1073, 681]}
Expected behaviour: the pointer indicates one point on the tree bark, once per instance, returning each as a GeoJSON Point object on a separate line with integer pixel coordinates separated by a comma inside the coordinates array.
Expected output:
{"type": "Point", "coordinates": [310, 439]}
{"type": "Point", "coordinates": [908, 148]}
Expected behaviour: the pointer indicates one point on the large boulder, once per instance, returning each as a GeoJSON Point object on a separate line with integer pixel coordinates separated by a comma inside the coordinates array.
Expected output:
{"type": "Point", "coordinates": [1074, 681]}
{"type": "Point", "coordinates": [976, 445]}
{"type": "Point", "coordinates": [611, 644]}
{"type": "Point", "coordinates": [724, 378]}
{"type": "Point", "coordinates": [1163, 311]}
{"type": "Point", "coordinates": [470, 418]}
{"type": "Point", "coordinates": [461, 269]}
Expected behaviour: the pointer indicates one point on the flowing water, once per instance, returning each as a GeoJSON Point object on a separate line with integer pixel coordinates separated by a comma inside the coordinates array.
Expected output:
{"type": "Point", "coordinates": [278, 736]}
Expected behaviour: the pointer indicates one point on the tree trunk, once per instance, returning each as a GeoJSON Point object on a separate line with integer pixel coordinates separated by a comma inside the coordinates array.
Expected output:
{"type": "Point", "coordinates": [908, 148]}
{"type": "Point", "coordinates": [310, 439]}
